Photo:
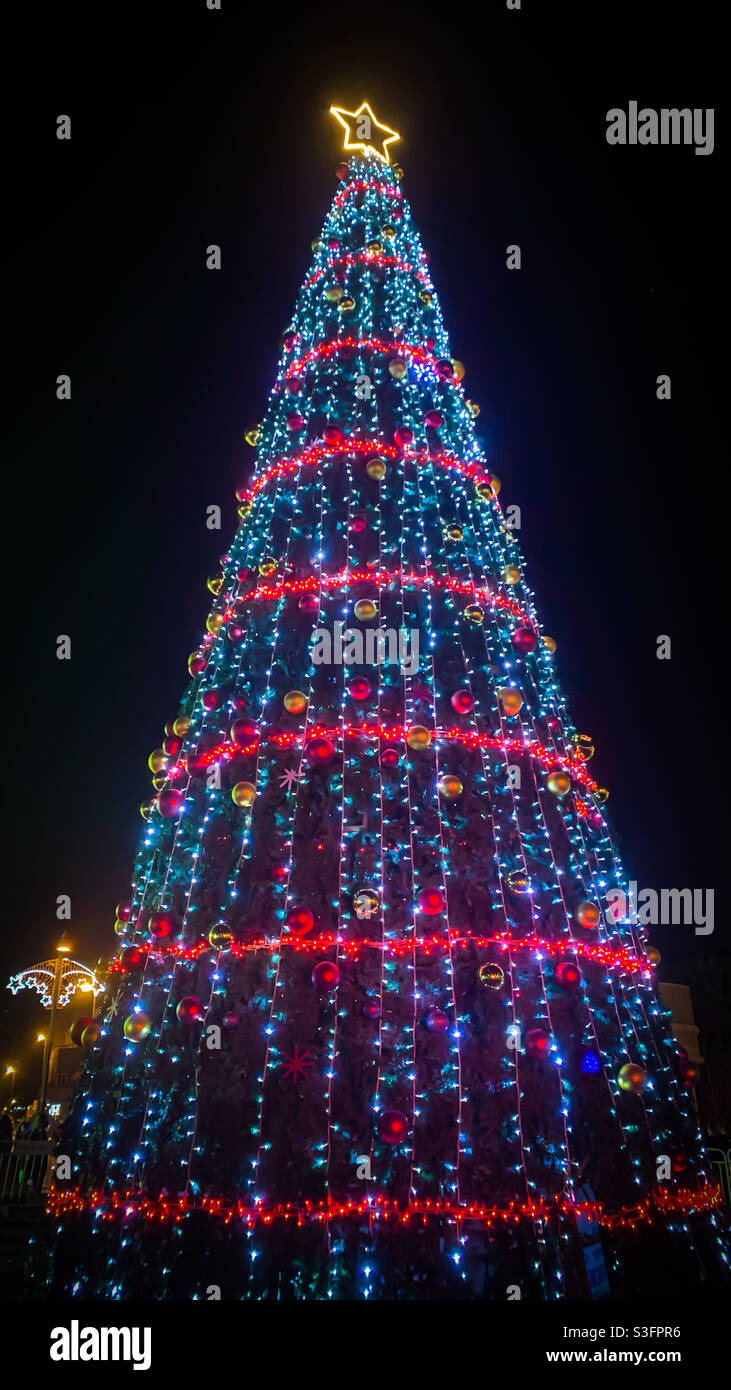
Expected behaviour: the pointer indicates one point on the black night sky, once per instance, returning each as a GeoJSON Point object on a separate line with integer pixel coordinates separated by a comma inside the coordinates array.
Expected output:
{"type": "Point", "coordinates": [192, 127]}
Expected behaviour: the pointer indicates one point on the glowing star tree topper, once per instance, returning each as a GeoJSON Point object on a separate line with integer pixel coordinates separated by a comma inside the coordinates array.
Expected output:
{"type": "Point", "coordinates": [363, 132]}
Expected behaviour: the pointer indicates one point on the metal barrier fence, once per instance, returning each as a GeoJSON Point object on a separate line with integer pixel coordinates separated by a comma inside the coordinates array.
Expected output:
{"type": "Point", "coordinates": [721, 1160]}
{"type": "Point", "coordinates": [25, 1174]}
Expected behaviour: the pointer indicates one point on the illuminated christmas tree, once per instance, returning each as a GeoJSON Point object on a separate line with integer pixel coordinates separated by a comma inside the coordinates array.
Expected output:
{"type": "Point", "coordinates": [378, 1026]}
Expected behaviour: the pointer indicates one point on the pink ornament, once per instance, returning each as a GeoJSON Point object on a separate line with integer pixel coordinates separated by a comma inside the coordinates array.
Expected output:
{"type": "Point", "coordinates": [325, 975]}
{"type": "Point", "coordinates": [171, 803]}
{"type": "Point", "coordinates": [210, 699]}
{"type": "Point", "coordinates": [295, 422]}
{"type": "Point", "coordinates": [390, 757]}
{"type": "Point", "coordinates": [371, 1009]}
{"type": "Point", "coordinates": [430, 901]}
{"type": "Point", "coordinates": [403, 436]}
{"type": "Point", "coordinates": [243, 731]}
{"type": "Point", "coordinates": [537, 1042]}
{"type": "Point", "coordinates": [437, 1021]}
{"type": "Point", "coordinates": [525, 640]}
{"type": "Point", "coordinates": [462, 701]}
{"type": "Point", "coordinates": [331, 434]}
{"type": "Point", "coordinates": [124, 911]}
{"type": "Point", "coordinates": [309, 603]}
{"type": "Point", "coordinates": [319, 751]}
{"type": "Point", "coordinates": [190, 1010]}
{"type": "Point", "coordinates": [359, 688]}
{"type": "Point", "coordinates": [393, 1127]}
{"type": "Point", "coordinates": [568, 975]}
{"type": "Point", "coordinates": [434, 419]}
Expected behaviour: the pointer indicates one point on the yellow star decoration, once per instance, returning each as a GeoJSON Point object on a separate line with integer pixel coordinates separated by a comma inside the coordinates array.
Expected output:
{"type": "Point", "coordinates": [367, 129]}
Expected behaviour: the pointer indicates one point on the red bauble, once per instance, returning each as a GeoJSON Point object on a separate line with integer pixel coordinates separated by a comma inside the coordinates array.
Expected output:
{"type": "Point", "coordinates": [230, 1020]}
{"type": "Point", "coordinates": [390, 757]}
{"type": "Point", "coordinates": [319, 751]}
{"type": "Point", "coordinates": [198, 765]}
{"type": "Point", "coordinates": [325, 975]}
{"type": "Point", "coordinates": [293, 385]}
{"type": "Point", "coordinates": [131, 958]}
{"type": "Point", "coordinates": [190, 1009]}
{"type": "Point", "coordinates": [172, 745]}
{"type": "Point", "coordinates": [279, 873]}
{"type": "Point", "coordinates": [371, 1009]}
{"type": "Point", "coordinates": [91, 1035]}
{"type": "Point", "coordinates": [537, 1042]}
{"type": "Point", "coordinates": [299, 921]}
{"type": "Point", "coordinates": [331, 434]}
{"type": "Point", "coordinates": [462, 701]}
{"type": "Point", "coordinates": [161, 925]}
{"type": "Point", "coordinates": [210, 699]}
{"type": "Point", "coordinates": [124, 912]}
{"type": "Point", "coordinates": [525, 640]}
{"type": "Point", "coordinates": [403, 436]}
{"type": "Point", "coordinates": [445, 370]}
{"type": "Point", "coordinates": [434, 419]}
{"type": "Point", "coordinates": [171, 803]}
{"type": "Point", "coordinates": [234, 632]}
{"type": "Point", "coordinates": [430, 901]}
{"type": "Point", "coordinates": [359, 523]}
{"type": "Point", "coordinates": [196, 663]}
{"type": "Point", "coordinates": [393, 1127]}
{"type": "Point", "coordinates": [679, 1160]}
{"type": "Point", "coordinates": [245, 575]}
{"type": "Point", "coordinates": [568, 975]}
{"type": "Point", "coordinates": [341, 171]}
{"type": "Point", "coordinates": [289, 341]}
{"type": "Point", "coordinates": [359, 688]}
{"type": "Point", "coordinates": [243, 731]}
{"type": "Point", "coordinates": [295, 422]}
{"type": "Point", "coordinates": [309, 603]}
{"type": "Point", "coordinates": [77, 1030]}
{"type": "Point", "coordinates": [437, 1021]}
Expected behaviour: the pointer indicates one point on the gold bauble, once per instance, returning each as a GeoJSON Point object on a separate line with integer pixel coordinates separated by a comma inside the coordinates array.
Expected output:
{"type": "Point", "coordinates": [653, 955]}
{"type": "Point", "coordinates": [583, 746]}
{"type": "Point", "coordinates": [601, 794]}
{"type": "Point", "coordinates": [346, 304]}
{"type": "Point", "coordinates": [365, 610]}
{"type": "Point", "coordinates": [243, 794]}
{"type": "Point", "coordinates": [252, 435]}
{"type": "Point", "coordinates": [220, 938]}
{"type": "Point", "coordinates": [267, 568]}
{"type": "Point", "coordinates": [518, 881]}
{"type": "Point", "coordinates": [214, 622]}
{"type": "Point", "coordinates": [397, 368]}
{"type": "Point", "coordinates": [146, 810]}
{"type": "Point", "coordinates": [397, 171]}
{"type": "Point", "coordinates": [473, 408]}
{"type": "Point", "coordinates": [491, 976]}
{"type": "Point", "coordinates": [458, 368]}
{"type": "Point", "coordinates": [474, 614]}
{"type": "Point", "coordinates": [334, 293]}
{"type": "Point", "coordinates": [549, 643]}
{"type": "Point", "coordinates": [376, 468]}
{"type": "Point", "coordinates": [316, 243]}
{"type": "Point", "coordinates": [426, 296]}
{"type": "Point", "coordinates": [366, 903]}
{"type": "Point", "coordinates": [450, 787]}
{"type": "Point", "coordinates": [388, 232]}
{"type": "Point", "coordinates": [159, 782]}
{"type": "Point", "coordinates": [511, 700]}
{"type": "Point", "coordinates": [157, 760]}
{"type": "Point", "coordinates": [558, 782]}
{"type": "Point", "coordinates": [181, 724]}
{"type": "Point", "coordinates": [632, 1077]}
{"type": "Point", "coordinates": [295, 702]}
{"type": "Point", "coordinates": [454, 533]}
{"type": "Point", "coordinates": [511, 574]}
{"type": "Point", "coordinates": [374, 247]}
{"type": "Point", "coordinates": [486, 491]}
{"type": "Point", "coordinates": [215, 583]}
{"type": "Point", "coordinates": [136, 1027]}
{"type": "Point", "coordinates": [418, 737]}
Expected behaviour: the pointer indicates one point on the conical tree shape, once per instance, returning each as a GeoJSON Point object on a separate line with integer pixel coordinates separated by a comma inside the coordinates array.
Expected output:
{"type": "Point", "coordinates": [377, 1029]}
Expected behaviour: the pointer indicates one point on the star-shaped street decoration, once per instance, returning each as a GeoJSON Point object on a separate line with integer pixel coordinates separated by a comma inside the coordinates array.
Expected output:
{"type": "Point", "coordinates": [114, 1003]}
{"type": "Point", "coordinates": [297, 1063]}
{"type": "Point", "coordinates": [290, 778]}
{"type": "Point", "coordinates": [363, 132]}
